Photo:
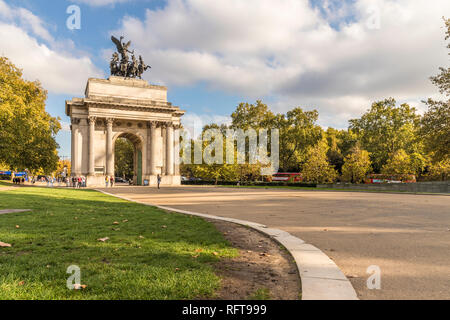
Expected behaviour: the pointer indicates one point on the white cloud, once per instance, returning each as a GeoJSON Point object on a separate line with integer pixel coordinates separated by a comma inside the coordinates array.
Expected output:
{"type": "Point", "coordinates": [30, 46]}
{"type": "Point", "coordinates": [288, 51]}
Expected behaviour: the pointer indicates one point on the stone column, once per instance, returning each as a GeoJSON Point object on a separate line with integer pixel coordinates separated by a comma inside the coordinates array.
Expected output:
{"type": "Point", "coordinates": [177, 149]}
{"type": "Point", "coordinates": [75, 151]}
{"type": "Point", "coordinates": [169, 150]}
{"type": "Point", "coordinates": [153, 150]}
{"type": "Point", "coordinates": [91, 146]}
{"type": "Point", "coordinates": [109, 148]}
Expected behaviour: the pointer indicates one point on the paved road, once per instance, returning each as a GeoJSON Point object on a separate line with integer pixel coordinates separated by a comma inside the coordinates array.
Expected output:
{"type": "Point", "coordinates": [407, 236]}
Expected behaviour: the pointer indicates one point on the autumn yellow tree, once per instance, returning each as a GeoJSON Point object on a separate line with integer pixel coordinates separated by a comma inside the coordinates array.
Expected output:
{"type": "Point", "coordinates": [317, 169]}
{"type": "Point", "coordinates": [27, 135]}
{"type": "Point", "coordinates": [398, 163]}
{"type": "Point", "coordinates": [356, 166]}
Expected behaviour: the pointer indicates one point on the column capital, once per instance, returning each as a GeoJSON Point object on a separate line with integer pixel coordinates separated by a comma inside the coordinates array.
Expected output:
{"type": "Point", "coordinates": [168, 124]}
{"type": "Point", "coordinates": [109, 121]}
{"type": "Point", "coordinates": [151, 124]}
{"type": "Point", "coordinates": [91, 120]}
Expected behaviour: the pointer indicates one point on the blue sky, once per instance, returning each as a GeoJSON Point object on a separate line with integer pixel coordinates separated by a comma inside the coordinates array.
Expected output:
{"type": "Point", "coordinates": [335, 56]}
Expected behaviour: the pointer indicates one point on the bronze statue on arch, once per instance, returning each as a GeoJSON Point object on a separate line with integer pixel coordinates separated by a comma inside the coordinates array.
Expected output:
{"type": "Point", "coordinates": [124, 66]}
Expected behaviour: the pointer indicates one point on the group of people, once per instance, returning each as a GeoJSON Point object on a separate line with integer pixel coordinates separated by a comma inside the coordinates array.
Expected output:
{"type": "Point", "coordinates": [78, 182]}
{"type": "Point", "coordinates": [109, 181]}
{"type": "Point", "coordinates": [18, 180]}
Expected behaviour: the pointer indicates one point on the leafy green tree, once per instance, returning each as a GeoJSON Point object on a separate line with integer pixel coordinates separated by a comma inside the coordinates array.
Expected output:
{"type": "Point", "coordinates": [124, 158]}
{"type": "Point", "coordinates": [255, 116]}
{"type": "Point", "coordinates": [385, 128]}
{"type": "Point", "coordinates": [298, 132]}
{"type": "Point", "coordinates": [27, 135]}
{"type": "Point", "coordinates": [317, 169]}
{"type": "Point", "coordinates": [436, 122]}
{"type": "Point", "coordinates": [418, 163]}
{"type": "Point", "coordinates": [399, 163]}
{"type": "Point", "coordinates": [356, 166]}
{"type": "Point", "coordinates": [335, 157]}
{"type": "Point", "coordinates": [439, 171]}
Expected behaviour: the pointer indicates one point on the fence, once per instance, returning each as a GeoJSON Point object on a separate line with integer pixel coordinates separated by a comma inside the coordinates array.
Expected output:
{"type": "Point", "coordinates": [425, 187]}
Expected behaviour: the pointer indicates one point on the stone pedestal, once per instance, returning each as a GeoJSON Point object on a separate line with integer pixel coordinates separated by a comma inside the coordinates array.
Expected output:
{"type": "Point", "coordinates": [124, 108]}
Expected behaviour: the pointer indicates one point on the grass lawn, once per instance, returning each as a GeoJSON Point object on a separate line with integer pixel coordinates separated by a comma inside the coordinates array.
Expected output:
{"type": "Point", "coordinates": [153, 255]}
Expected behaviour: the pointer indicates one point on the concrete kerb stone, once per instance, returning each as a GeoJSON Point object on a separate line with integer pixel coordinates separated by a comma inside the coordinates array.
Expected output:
{"type": "Point", "coordinates": [14, 211]}
{"type": "Point", "coordinates": [321, 277]}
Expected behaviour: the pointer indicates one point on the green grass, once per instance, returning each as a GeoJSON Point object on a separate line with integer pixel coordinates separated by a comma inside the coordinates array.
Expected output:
{"type": "Point", "coordinates": [5, 183]}
{"type": "Point", "coordinates": [142, 260]}
{"type": "Point", "coordinates": [261, 294]}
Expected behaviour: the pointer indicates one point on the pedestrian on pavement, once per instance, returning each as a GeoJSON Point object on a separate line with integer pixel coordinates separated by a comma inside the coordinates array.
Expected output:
{"type": "Point", "coordinates": [159, 180]}
{"type": "Point", "coordinates": [112, 182]}
{"type": "Point", "coordinates": [106, 181]}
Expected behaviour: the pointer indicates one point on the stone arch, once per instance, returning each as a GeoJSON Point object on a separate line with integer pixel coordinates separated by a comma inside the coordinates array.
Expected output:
{"type": "Point", "coordinates": [139, 163]}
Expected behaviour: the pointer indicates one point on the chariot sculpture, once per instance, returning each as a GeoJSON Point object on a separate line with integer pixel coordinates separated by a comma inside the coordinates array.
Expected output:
{"type": "Point", "coordinates": [123, 66]}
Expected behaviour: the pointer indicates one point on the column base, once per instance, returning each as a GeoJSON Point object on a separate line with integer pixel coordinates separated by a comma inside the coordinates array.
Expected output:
{"type": "Point", "coordinates": [96, 181]}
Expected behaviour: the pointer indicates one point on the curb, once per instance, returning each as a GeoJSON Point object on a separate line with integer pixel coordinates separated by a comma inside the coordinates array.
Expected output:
{"type": "Point", "coordinates": [321, 277]}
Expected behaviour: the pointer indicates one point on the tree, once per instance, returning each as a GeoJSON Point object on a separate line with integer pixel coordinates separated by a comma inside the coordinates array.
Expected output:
{"type": "Point", "coordinates": [439, 171]}
{"type": "Point", "coordinates": [385, 128]}
{"type": "Point", "coordinates": [317, 169]}
{"type": "Point", "coordinates": [335, 157]}
{"type": "Point", "coordinates": [356, 166]}
{"type": "Point", "coordinates": [64, 164]}
{"type": "Point", "coordinates": [124, 158]}
{"type": "Point", "coordinates": [435, 123]}
{"type": "Point", "coordinates": [27, 135]}
{"type": "Point", "coordinates": [298, 132]}
{"type": "Point", "coordinates": [255, 116]}
{"type": "Point", "coordinates": [399, 163]}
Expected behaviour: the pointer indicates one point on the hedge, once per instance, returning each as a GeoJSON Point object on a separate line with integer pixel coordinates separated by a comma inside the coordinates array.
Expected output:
{"type": "Point", "coordinates": [250, 183]}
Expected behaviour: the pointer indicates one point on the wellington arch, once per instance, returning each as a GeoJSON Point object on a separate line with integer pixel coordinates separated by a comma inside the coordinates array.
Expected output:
{"type": "Point", "coordinates": [121, 107]}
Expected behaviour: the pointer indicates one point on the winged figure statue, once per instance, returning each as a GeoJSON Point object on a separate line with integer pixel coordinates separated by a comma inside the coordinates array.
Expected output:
{"type": "Point", "coordinates": [126, 67]}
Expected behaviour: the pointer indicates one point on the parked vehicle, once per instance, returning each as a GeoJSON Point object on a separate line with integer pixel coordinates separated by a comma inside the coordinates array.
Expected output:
{"type": "Point", "coordinates": [391, 178]}
{"type": "Point", "coordinates": [287, 177]}
{"type": "Point", "coordinates": [120, 180]}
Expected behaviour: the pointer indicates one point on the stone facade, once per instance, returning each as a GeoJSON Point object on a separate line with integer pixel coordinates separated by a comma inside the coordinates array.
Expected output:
{"type": "Point", "coordinates": [129, 108]}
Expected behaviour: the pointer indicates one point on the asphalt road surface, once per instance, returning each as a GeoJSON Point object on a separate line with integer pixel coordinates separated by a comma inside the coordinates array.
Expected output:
{"type": "Point", "coordinates": [407, 236]}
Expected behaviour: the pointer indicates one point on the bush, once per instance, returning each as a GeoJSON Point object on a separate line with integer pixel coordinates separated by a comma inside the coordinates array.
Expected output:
{"type": "Point", "coordinates": [251, 183]}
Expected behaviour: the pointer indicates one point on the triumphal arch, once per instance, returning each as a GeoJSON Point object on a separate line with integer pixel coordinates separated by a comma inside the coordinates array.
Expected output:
{"type": "Point", "coordinates": [124, 106]}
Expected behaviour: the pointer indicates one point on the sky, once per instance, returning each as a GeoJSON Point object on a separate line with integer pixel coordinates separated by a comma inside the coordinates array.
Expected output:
{"type": "Point", "coordinates": [334, 56]}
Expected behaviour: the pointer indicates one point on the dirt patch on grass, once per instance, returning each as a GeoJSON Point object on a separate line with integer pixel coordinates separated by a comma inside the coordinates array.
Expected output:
{"type": "Point", "coordinates": [263, 270]}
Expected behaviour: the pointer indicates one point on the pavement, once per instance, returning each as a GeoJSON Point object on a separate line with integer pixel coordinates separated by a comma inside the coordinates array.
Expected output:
{"type": "Point", "coordinates": [407, 236]}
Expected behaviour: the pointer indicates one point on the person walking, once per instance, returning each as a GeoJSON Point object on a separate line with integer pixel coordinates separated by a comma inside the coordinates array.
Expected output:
{"type": "Point", "coordinates": [112, 182]}
{"type": "Point", "coordinates": [106, 181]}
{"type": "Point", "coordinates": [159, 181]}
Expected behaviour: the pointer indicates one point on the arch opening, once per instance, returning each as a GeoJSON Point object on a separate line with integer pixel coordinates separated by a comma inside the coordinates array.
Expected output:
{"type": "Point", "coordinates": [128, 159]}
